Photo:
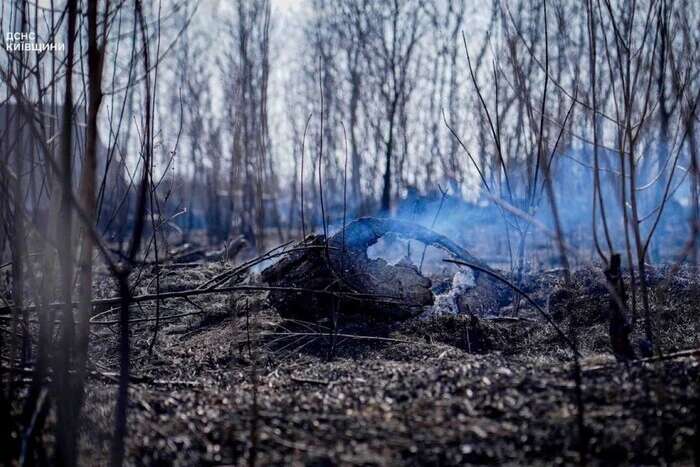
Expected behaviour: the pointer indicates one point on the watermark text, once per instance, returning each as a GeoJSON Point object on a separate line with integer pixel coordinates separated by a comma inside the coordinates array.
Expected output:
{"type": "Point", "coordinates": [27, 42]}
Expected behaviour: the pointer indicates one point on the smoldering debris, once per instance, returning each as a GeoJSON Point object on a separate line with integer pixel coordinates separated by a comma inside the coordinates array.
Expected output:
{"type": "Point", "coordinates": [356, 284]}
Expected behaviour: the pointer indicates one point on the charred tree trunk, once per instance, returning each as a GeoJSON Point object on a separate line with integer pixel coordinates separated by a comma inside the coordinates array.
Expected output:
{"type": "Point", "coordinates": [619, 327]}
{"type": "Point", "coordinates": [367, 287]}
{"type": "Point", "coordinates": [386, 191]}
{"type": "Point", "coordinates": [356, 188]}
{"type": "Point", "coordinates": [67, 435]}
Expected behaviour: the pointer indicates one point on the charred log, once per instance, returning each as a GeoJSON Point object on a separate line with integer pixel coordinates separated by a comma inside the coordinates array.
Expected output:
{"type": "Point", "coordinates": [400, 291]}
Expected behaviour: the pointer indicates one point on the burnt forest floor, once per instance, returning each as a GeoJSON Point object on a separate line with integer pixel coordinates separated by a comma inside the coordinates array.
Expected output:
{"type": "Point", "coordinates": [232, 382]}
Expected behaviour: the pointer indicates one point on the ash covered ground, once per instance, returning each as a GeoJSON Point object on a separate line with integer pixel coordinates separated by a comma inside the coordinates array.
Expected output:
{"type": "Point", "coordinates": [231, 382]}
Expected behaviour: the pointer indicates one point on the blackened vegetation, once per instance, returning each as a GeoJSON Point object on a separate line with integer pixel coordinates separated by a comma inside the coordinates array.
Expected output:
{"type": "Point", "coordinates": [443, 389]}
{"type": "Point", "coordinates": [145, 173]}
{"type": "Point", "coordinates": [490, 383]}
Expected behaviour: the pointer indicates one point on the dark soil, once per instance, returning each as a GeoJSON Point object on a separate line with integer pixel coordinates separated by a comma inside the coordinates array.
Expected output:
{"type": "Point", "coordinates": [236, 384]}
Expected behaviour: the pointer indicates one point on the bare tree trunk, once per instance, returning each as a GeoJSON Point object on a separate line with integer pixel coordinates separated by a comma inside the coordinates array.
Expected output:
{"type": "Point", "coordinates": [95, 62]}
{"type": "Point", "coordinates": [120, 419]}
{"type": "Point", "coordinates": [388, 155]}
{"type": "Point", "coordinates": [65, 401]}
{"type": "Point", "coordinates": [355, 158]}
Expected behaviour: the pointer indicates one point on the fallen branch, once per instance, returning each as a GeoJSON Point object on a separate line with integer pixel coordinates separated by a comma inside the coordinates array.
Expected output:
{"type": "Point", "coordinates": [660, 358]}
{"type": "Point", "coordinates": [145, 320]}
{"type": "Point", "coordinates": [282, 335]}
{"type": "Point", "coordinates": [220, 278]}
{"type": "Point", "coordinates": [110, 376]}
{"type": "Point", "coordinates": [229, 272]}
{"type": "Point", "coordinates": [194, 292]}
{"type": "Point", "coordinates": [135, 379]}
